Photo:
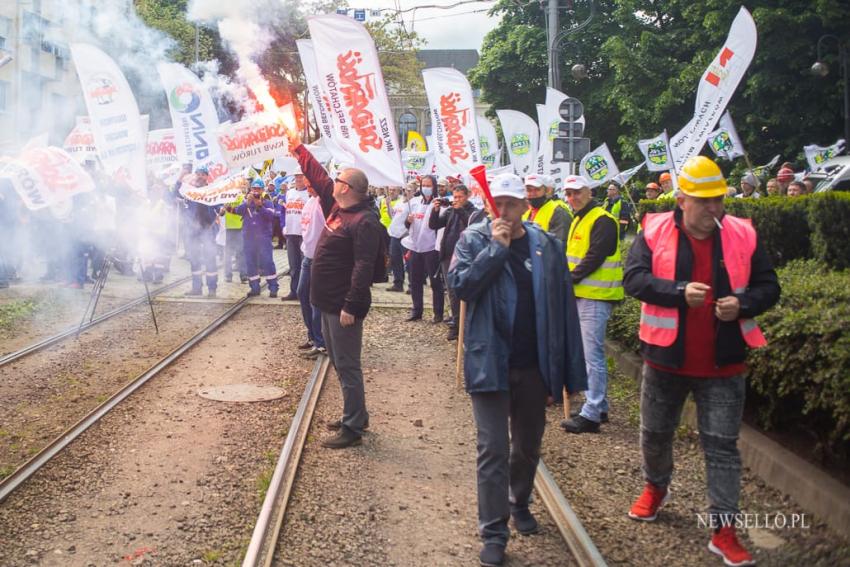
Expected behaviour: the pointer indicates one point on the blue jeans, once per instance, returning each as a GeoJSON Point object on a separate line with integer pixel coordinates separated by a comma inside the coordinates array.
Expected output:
{"type": "Point", "coordinates": [720, 406]}
{"type": "Point", "coordinates": [397, 261]}
{"type": "Point", "coordinates": [593, 316]}
{"type": "Point", "coordinates": [294, 255]}
{"type": "Point", "coordinates": [312, 316]}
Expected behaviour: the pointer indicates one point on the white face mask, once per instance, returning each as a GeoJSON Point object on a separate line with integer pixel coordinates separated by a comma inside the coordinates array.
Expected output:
{"type": "Point", "coordinates": [427, 191]}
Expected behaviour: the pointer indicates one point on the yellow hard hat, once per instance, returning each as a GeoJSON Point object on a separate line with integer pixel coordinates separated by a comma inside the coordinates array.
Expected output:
{"type": "Point", "coordinates": [701, 177]}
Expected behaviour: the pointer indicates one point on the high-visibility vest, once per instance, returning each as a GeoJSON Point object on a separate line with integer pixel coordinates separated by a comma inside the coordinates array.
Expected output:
{"type": "Point", "coordinates": [542, 216]}
{"type": "Point", "coordinates": [386, 219]}
{"type": "Point", "coordinates": [616, 208]}
{"type": "Point", "coordinates": [660, 325]}
{"type": "Point", "coordinates": [232, 221]}
{"type": "Point", "coordinates": [606, 282]}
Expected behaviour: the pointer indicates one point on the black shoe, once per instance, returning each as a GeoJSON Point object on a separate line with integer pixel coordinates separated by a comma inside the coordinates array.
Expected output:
{"type": "Point", "coordinates": [438, 319]}
{"type": "Point", "coordinates": [336, 424]}
{"type": "Point", "coordinates": [273, 293]}
{"type": "Point", "coordinates": [193, 293]}
{"type": "Point", "coordinates": [211, 294]}
{"type": "Point", "coordinates": [253, 293]}
{"type": "Point", "coordinates": [452, 334]}
{"type": "Point", "coordinates": [290, 297]}
{"type": "Point", "coordinates": [408, 291]}
{"type": "Point", "coordinates": [414, 318]}
{"type": "Point", "coordinates": [525, 523]}
{"type": "Point", "coordinates": [580, 424]}
{"type": "Point", "coordinates": [228, 279]}
{"type": "Point", "coordinates": [396, 288]}
{"type": "Point", "coordinates": [343, 438]}
{"type": "Point", "coordinates": [243, 279]}
{"type": "Point", "coordinates": [313, 353]}
{"type": "Point", "coordinates": [603, 417]}
{"type": "Point", "coordinates": [492, 555]}
{"type": "Point", "coordinates": [306, 346]}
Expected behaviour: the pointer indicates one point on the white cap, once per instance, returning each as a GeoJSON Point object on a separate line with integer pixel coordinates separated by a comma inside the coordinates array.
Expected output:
{"type": "Point", "coordinates": [534, 180]}
{"type": "Point", "coordinates": [507, 185]}
{"type": "Point", "coordinates": [442, 181]}
{"type": "Point", "coordinates": [575, 182]}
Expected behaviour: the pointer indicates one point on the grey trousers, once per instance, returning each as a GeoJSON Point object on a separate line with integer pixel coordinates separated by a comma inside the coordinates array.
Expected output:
{"type": "Point", "coordinates": [507, 464]}
{"type": "Point", "coordinates": [344, 345]}
{"type": "Point", "coordinates": [720, 406]}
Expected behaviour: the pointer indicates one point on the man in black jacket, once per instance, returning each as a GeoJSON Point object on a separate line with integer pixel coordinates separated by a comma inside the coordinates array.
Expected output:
{"type": "Point", "coordinates": [454, 220]}
{"type": "Point", "coordinates": [342, 273]}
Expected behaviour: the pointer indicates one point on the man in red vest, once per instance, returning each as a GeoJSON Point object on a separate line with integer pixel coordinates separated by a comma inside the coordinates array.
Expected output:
{"type": "Point", "coordinates": [701, 276]}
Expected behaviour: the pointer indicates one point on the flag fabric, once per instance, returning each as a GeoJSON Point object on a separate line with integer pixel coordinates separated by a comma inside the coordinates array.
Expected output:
{"type": "Point", "coordinates": [417, 163]}
{"type": "Point", "coordinates": [724, 141]}
{"type": "Point", "coordinates": [253, 139]}
{"type": "Point", "coordinates": [80, 141]}
{"type": "Point", "coordinates": [350, 74]}
{"type": "Point", "coordinates": [816, 155]}
{"type": "Point", "coordinates": [161, 152]}
{"type": "Point", "coordinates": [415, 142]}
{"type": "Point", "coordinates": [194, 119]}
{"type": "Point", "coordinates": [491, 155]}
{"type": "Point", "coordinates": [624, 176]}
{"type": "Point", "coordinates": [656, 152]}
{"type": "Point", "coordinates": [716, 87]}
{"type": "Point", "coordinates": [521, 136]}
{"type": "Point", "coordinates": [454, 126]}
{"type": "Point", "coordinates": [598, 166]}
{"type": "Point", "coordinates": [115, 120]}
{"type": "Point", "coordinates": [225, 189]}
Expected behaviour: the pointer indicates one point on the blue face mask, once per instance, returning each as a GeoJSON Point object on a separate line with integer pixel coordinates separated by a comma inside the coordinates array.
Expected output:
{"type": "Point", "coordinates": [427, 191]}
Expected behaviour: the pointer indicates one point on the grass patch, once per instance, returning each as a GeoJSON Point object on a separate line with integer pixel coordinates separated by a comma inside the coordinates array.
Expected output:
{"type": "Point", "coordinates": [6, 471]}
{"type": "Point", "coordinates": [265, 478]}
{"type": "Point", "coordinates": [625, 392]}
{"type": "Point", "coordinates": [15, 311]}
{"type": "Point", "coordinates": [211, 556]}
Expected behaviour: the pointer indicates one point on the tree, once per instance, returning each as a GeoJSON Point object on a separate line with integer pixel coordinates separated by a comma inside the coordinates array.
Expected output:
{"type": "Point", "coordinates": [645, 58]}
{"type": "Point", "coordinates": [397, 53]}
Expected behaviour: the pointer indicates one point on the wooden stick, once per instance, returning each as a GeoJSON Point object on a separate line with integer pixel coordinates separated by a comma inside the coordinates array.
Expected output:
{"type": "Point", "coordinates": [566, 404]}
{"type": "Point", "coordinates": [460, 332]}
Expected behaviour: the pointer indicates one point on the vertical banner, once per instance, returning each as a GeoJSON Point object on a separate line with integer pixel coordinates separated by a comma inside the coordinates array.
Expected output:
{"type": "Point", "coordinates": [453, 120]}
{"type": "Point", "coordinates": [491, 154]}
{"type": "Point", "coordinates": [716, 87]}
{"type": "Point", "coordinates": [319, 102]}
{"type": "Point", "coordinates": [415, 142]}
{"type": "Point", "coordinates": [115, 120]}
{"type": "Point", "coordinates": [521, 136]}
{"type": "Point", "coordinates": [724, 141]}
{"type": "Point", "coordinates": [816, 155]}
{"type": "Point", "coordinates": [656, 152]}
{"type": "Point", "coordinates": [350, 73]}
{"type": "Point", "coordinates": [80, 141]}
{"type": "Point", "coordinates": [161, 152]}
{"type": "Point", "coordinates": [598, 166]}
{"type": "Point", "coordinates": [194, 118]}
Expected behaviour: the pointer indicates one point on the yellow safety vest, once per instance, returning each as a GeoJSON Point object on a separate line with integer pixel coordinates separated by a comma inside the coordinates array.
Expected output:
{"type": "Point", "coordinates": [386, 219]}
{"type": "Point", "coordinates": [233, 221]}
{"type": "Point", "coordinates": [543, 216]}
{"type": "Point", "coordinates": [606, 283]}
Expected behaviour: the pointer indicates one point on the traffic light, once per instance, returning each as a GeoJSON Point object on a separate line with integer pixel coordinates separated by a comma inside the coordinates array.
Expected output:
{"type": "Point", "coordinates": [569, 146]}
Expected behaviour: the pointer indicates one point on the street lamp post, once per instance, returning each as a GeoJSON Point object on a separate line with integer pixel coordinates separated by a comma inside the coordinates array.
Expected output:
{"type": "Point", "coordinates": [578, 71]}
{"type": "Point", "coordinates": [821, 69]}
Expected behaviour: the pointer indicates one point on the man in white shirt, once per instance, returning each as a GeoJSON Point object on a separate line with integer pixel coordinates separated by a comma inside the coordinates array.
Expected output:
{"type": "Point", "coordinates": [398, 210]}
{"type": "Point", "coordinates": [424, 258]}
{"type": "Point", "coordinates": [296, 198]}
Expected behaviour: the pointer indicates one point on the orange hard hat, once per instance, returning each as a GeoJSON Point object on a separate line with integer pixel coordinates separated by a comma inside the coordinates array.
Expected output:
{"type": "Point", "coordinates": [653, 186]}
{"type": "Point", "coordinates": [664, 177]}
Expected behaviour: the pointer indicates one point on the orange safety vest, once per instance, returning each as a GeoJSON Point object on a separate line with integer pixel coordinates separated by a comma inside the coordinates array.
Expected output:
{"type": "Point", "coordinates": [660, 325]}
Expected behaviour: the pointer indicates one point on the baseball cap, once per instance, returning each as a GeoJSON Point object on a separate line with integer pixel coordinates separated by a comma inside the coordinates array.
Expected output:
{"type": "Point", "coordinates": [576, 182]}
{"type": "Point", "coordinates": [534, 180]}
{"type": "Point", "coordinates": [442, 181]}
{"type": "Point", "coordinates": [507, 185]}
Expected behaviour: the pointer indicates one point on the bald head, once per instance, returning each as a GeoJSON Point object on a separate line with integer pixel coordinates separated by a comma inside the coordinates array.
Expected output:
{"type": "Point", "coordinates": [357, 180]}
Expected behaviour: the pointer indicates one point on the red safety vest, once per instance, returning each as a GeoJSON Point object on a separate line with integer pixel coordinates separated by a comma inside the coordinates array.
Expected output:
{"type": "Point", "coordinates": [660, 325]}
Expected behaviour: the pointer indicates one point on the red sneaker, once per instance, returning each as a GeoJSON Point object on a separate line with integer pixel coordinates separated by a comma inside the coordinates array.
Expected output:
{"type": "Point", "coordinates": [725, 543]}
{"type": "Point", "coordinates": [650, 501]}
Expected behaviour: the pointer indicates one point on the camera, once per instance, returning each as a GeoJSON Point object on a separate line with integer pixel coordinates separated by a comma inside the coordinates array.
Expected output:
{"type": "Point", "coordinates": [443, 201]}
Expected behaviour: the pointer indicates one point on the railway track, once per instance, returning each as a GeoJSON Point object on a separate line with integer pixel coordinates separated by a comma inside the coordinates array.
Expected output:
{"type": "Point", "coordinates": [76, 329]}
{"type": "Point", "coordinates": [9, 484]}
{"type": "Point", "coordinates": [261, 549]}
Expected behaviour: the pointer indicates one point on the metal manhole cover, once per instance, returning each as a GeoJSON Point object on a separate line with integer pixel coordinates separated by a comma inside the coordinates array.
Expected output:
{"type": "Point", "coordinates": [241, 393]}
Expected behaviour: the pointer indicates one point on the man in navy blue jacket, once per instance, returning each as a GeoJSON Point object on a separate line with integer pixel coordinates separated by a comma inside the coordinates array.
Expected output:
{"type": "Point", "coordinates": [523, 344]}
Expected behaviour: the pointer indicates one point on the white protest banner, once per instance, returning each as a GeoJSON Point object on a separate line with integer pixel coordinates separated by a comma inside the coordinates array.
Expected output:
{"type": "Point", "coordinates": [816, 155]}
{"type": "Point", "coordinates": [252, 140]}
{"type": "Point", "coordinates": [491, 154]}
{"type": "Point", "coordinates": [521, 136]}
{"type": "Point", "coordinates": [60, 172]}
{"type": "Point", "coordinates": [115, 120]}
{"type": "Point", "coordinates": [319, 102]}
{"type": "Point", "coordinates": [80, 141]}
{"type": "Point", "coordinates": [417, 163]}
{"type": "Point", "coordinates": [656, 152]}
{"type": "Point", "coordinates": [598, 166]}
{"type": "Point", "coordinates": [350, 74]}
{"type": "Point", "coordinates": [27, 183]}
{"type": "Point", "coordinates": [161, 151]}
{"type": "Point", "coordinates": [623, 177]}
{"type": "Point", "coordinates": [225, 189]}
{"type": "Point", "coordinates": [724, 141]}
{"type": "Point", "coordinates": [716, 87]}
{"type": "Point", "coordinates": [453, 120]}
{"type": "Point", "coordinates": [194, 118]}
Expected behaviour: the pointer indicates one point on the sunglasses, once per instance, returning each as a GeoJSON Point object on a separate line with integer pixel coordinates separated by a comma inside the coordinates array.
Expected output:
{"type": "Point", "coordinates": [343, 181]}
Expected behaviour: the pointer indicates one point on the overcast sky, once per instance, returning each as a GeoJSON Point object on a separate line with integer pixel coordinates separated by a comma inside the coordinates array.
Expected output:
{"type": "Point", "coordinates": [461, 27]}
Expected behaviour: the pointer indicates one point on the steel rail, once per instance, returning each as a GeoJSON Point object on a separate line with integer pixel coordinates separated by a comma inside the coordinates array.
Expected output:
{"type": "Point", "coordinates": [580, 544]}
{"type": "Point", "coordinates": [35, 347]}
{"type": "Point", "coordinates": [267, 529]}
{"type": "Point", "coordinates": [25, 471]}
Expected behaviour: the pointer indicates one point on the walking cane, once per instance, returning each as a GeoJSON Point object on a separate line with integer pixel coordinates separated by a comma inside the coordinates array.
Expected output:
{"type": "Point", "coordinates": [460, 332]}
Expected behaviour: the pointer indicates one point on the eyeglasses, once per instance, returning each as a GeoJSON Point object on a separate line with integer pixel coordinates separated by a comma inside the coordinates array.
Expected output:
{"type": "Point", "coordinates": [343, 181]}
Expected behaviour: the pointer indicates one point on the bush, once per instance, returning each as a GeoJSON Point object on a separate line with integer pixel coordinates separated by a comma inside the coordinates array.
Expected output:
{"type": "Point", "coordinates": [802, 378]}
{"type": "Point", "coordinates": [829, 219]}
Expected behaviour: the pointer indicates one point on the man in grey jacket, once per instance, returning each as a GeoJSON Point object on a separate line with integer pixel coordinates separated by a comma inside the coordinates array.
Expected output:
{"type": "Point", "coordinates": [523, 344]}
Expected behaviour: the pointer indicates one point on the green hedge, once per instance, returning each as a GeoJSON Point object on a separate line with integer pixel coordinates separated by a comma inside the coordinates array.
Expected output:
{"type": "Point", "coordinates": [811, 226]}
{"type": "Point", "coordinates": [801, 379]}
